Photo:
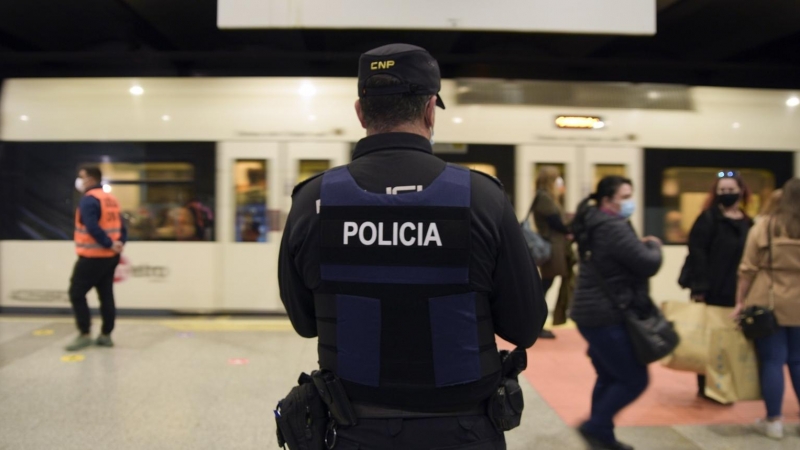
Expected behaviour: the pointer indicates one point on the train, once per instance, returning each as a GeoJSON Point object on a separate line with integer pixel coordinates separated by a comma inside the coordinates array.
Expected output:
{"type": "Point", "coordinates": [204, 168]}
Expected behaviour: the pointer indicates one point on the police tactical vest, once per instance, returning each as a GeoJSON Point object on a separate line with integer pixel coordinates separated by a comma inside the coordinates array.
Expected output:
{"type": "Point", "coordinates": [394, 307]}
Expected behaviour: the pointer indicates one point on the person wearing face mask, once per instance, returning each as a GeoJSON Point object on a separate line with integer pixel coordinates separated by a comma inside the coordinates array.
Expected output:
{"type": "Point", "coordinates": [548, 215]}
{"type": "Point", "coordinates": [624, 263]}
{"type": "Point", "coordinates": [100, 234]}
{"type": "Point", "coordinates": [716, 244]}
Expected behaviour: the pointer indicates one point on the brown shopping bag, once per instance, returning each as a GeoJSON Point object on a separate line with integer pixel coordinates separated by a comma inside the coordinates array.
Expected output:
{"type": "Point", "coordinates": [694, 323]}
{"type": "Point", "coordinates": [732, 373]}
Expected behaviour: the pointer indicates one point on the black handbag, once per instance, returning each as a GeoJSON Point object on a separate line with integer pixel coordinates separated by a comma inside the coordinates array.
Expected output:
{"type": "Point", "coordinates": [653, 337]}
{"type": "Point", "coordinates": [758, 322]}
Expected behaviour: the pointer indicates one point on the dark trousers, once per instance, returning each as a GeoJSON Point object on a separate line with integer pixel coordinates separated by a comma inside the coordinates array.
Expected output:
{"type": "Point", "coordinates": [621, 378]}
{"type": "Point", "coordinates": [441, 433]}
{"type": "Point", "coordinates": [93, 273]}
{"type": "Point", "coordinates": [547, 283]}
{"type": "Point", "coordinates": [774, 352]}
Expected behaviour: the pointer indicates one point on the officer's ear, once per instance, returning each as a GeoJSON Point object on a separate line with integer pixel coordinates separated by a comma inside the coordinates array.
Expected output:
{"type": "Point", "coordinates": [430, 112]}
{"type": "Point", "coordinates": [360, 114]}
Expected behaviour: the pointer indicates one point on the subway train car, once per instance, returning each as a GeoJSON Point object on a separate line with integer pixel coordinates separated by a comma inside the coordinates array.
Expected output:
{"type": "Point", "coordinates": [204, 168]}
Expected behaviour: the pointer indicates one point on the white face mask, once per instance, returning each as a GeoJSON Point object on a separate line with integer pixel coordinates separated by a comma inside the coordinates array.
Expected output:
{"type": "Point", "coordinates": [559, 183]}
{"type": "Point", "coordinates": [79, 184]}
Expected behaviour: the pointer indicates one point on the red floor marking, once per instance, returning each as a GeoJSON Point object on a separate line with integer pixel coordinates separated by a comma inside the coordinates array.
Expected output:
{"type": "Point", "coordinates": [563, 375]}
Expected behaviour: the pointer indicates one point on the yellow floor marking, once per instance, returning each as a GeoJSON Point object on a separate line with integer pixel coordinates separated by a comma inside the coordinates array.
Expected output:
{"type": "Point", "coordinates": [228, 325]}
{"type": "Point", "coordinates": [72, 358]}
{"type": "Point", "coordinates": [43, 332]}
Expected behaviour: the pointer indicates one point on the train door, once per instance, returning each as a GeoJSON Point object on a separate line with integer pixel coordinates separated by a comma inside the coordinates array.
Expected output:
{"type": "Point", "coordinates": [248, 218]}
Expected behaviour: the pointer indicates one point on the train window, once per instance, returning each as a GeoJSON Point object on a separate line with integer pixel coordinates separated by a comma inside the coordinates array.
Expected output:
{"type": "Point", "coordinates": [252, 224]}
{"type": "Point", "coordinates": [606, 170]}
{"type": "Point", "coordinates": [307, 168]}
{"type": "Point", "coordinates": [158, 200]}
{"type": "Point", "coordinates": [685, 190]}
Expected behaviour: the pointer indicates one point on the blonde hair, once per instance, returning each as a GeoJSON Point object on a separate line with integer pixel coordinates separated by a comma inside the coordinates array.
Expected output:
{"type": "Point", "coordinates": [787, 213]}
{"type": "Point", "coordinates": [547, 180]}
{"type": "Point", "coordinates": [772, 202]}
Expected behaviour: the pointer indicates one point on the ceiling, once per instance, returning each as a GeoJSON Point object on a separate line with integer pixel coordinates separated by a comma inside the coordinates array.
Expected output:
{"type": "Point", "coordinates": [740, 43]}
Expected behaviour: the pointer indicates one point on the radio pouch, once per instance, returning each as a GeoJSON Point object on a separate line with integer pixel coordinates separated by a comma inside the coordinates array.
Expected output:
{"type": "Point", "coordinates": [302, 417]}
{"type": "Point", "coordinates": [332, 393]}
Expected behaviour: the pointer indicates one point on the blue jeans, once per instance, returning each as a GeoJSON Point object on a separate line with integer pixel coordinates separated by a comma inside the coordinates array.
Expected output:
{"type": "Point", "coordinates": [621, 378]}
{"type": "Point", "coordinates": [774, 352]}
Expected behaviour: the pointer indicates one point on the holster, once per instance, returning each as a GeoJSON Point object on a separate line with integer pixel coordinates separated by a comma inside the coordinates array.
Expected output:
{"type": "Point", "coordinates": [507, 403]}
{"type": "Point", "coordinates": [332, 393]}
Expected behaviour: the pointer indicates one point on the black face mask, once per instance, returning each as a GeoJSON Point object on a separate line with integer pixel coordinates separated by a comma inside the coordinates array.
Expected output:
{"type": "Point", "coordinates": [728, 200]}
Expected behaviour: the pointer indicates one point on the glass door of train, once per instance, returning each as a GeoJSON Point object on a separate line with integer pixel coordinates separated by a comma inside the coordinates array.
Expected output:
{"type": "Point", "coordinates": [256, 179]}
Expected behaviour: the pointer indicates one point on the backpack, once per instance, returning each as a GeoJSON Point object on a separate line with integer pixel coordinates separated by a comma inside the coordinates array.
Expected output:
{"type": "Point", "coordinates": [540, 248]}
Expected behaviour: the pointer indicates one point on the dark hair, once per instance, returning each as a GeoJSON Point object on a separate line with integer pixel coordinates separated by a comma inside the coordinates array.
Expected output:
{"type": "Point", "coordinates": [608, 187]}
{"type": "Point", "coordinates": [385, 112]}
{"type": "Point", "coordinates": [94, 172]}
{"type": "Point", "coordinates": [712, 197]}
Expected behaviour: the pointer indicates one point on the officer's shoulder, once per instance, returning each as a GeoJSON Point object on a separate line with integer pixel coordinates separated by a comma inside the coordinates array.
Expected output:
{"type": "Point", "coordinates": [306, 182]}
{"type": "Point", "coordinates": [484, 175]}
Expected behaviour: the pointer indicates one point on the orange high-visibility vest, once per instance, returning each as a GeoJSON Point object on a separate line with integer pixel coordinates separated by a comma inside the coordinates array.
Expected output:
{"type": "Point", "coordinates": [110, 221]}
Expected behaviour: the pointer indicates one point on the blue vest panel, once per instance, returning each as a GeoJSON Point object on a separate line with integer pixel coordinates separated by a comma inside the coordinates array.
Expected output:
{"type": "Point", "coordinates": [394, 306]}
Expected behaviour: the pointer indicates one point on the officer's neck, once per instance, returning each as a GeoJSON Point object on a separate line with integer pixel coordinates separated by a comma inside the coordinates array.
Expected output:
{"type": "Point", "coordinates": [413, 128]}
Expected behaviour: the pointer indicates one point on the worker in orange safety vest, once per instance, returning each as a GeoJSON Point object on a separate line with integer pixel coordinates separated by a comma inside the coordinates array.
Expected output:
{"type": "Point", "coordinates": [100, 235]}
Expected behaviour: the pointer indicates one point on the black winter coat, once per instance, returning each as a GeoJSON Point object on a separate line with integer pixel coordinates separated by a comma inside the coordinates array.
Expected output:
{"type": "Point", "coordinates": [626, 264]}
{"type": "Point", "coordinates": [716, 244]}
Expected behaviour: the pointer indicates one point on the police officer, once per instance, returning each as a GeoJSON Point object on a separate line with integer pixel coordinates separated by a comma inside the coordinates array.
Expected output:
{"type": "Point", "coordinates": [99, 237]}
{"type": "Point", "coordinates": [405, 268]}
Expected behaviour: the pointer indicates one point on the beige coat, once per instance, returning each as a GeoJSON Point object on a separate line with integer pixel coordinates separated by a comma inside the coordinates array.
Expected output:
{"type": "Point", "coordinates": [785, 273]}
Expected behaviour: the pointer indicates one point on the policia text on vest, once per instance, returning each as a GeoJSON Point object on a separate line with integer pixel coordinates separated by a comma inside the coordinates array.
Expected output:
{"type": "Point", "coordinates": [392, 234]}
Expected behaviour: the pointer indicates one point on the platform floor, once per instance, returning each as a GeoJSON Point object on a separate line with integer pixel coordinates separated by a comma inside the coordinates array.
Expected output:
{"type": "Point", "coordinates": [211, 383]}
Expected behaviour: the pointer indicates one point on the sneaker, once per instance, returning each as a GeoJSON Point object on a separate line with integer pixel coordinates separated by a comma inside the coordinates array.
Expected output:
{"type": "Point", "coordinates": [773, 429]}
{"type": "Point", "coordinates": [82, 341]}
{"type": "Point", "coordinates": [104, 340]}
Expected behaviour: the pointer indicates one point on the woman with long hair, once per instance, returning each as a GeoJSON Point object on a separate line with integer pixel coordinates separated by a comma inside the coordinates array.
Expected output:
{"type": "Point", "coordinates": [548, 215]}
{"type": "Point", "coordinates": [770, 267]}
{"type": "Point", "coordinates": [716, 244]}
{"type": "Point", "coordinates": [611, 255]}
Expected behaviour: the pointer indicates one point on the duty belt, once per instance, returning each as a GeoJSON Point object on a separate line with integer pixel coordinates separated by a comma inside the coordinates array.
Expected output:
{"type": "Point", "coordinates": [367, 411]}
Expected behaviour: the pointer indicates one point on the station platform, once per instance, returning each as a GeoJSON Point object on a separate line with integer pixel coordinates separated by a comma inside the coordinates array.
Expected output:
{"type": "Point", "coordinates": [211, 383]}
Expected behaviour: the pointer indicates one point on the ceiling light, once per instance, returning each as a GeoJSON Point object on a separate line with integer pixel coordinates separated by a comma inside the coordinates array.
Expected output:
{"type": "Point", "coordinates": [457, 120]}
{"type": "Point", "coordinates": [166, 118]}
{"type": "Point", "coordinates": [24, 118]}
{"type": "Point", "coordinates": [136, 90]}
{"type": "Point", "coordinates": [792, 102]}
{"type": "Point", "coordinates": [736, 125]}
{"type": "Point", "coordinates": [307, 89]}
{"type": "Point", "coordinates": [599, 125]}
{"type": "Point", "coordinates": [653, 95]}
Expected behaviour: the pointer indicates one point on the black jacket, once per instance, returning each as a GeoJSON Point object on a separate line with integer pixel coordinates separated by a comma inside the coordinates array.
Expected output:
{"type": "Point", "coordinates": [624, 261]}
{"type": "Point", "coordinates": [716, 244]}
{"type": "Point", "coordinates": [500, 266]}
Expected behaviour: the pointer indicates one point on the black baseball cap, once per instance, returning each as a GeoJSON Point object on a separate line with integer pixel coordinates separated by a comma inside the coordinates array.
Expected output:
{"type": "Point", "coordinates": [416, 69]}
